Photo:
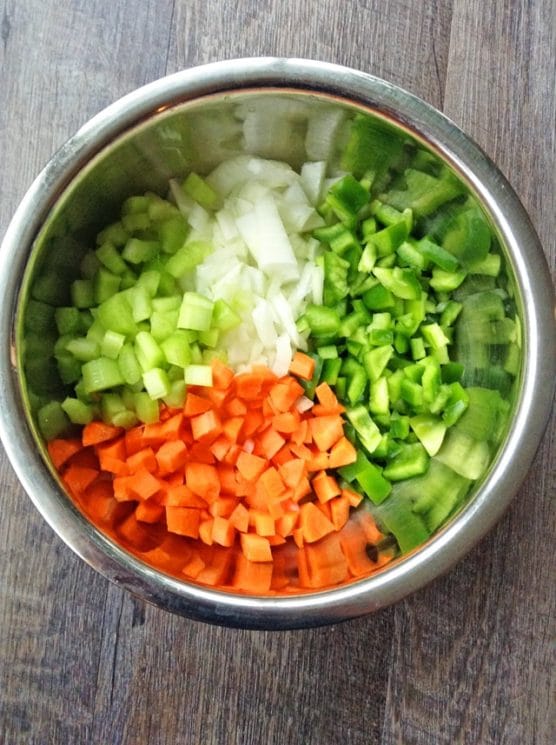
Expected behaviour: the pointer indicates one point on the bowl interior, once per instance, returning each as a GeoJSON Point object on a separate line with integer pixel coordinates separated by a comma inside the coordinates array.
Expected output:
{"type": "Point", "coordinates": [287, 125]}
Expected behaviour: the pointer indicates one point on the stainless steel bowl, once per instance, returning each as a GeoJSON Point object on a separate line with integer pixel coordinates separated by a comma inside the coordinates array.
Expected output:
{"type": "Point", "coordinates": [177, 123]}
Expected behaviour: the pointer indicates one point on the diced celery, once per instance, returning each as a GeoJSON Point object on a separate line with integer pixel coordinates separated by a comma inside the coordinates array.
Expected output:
{"type": "Point", "coordinates": [187, 258]}
{"type": "Point", "coordinates": [100, 374]}
{"type": "Point", "coordinates": [176, 349]}
{"type": "Point", "coordinates": [198, 375]}
{"type": "Point", "coordinates": [129, 366]}
{"type": "Point", "coordinates": [156, 383]}
{"type": "Point", "coordinates": [176, 396]}
{"type": "Point", "coordinates": [137, 251]}
{"type": "Point", "coordinates": [148, 353]}
{"type": "Point", "coordinates": [83, 349]}
{"type": "Point", "coordinates": [195, 312]}
{"type": "Point", "coordinates": [198, 189]}
{"type": "Point", "coordinates": [52, 420]}
{"type": "Point", "coordinates": [146, 408]}
{"type": "Point", "coordinates": [112, 344]}
{"type": "Point", "coordinates": [108, 254]}
{"type": "Point", "coordinates": [82, 293]}
{"type": "Point", "coordinates": [68, 320]}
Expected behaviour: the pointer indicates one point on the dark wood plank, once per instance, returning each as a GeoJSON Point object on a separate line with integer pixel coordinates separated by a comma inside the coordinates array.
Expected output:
{"type": "Point", "coordinates": [473, 651]}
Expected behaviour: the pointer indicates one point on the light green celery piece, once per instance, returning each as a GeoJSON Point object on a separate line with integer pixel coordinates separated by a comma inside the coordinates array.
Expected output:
{"type": "Point", "coordinates": [156, 383]}
{"type": "Point", "coordinates": [146, 408]}
{"type": "Point", "coordinates": [148, 352]}
{"type": "Point", "coordinates": [187, 258]}
{"type": "Point", "coordinates": [195, 312]}
{"type": "Point", "coordinates": [111, 344]}
{"type": "Point", "coordinates": [77, 411]}
{"type": "Point", "coordinates": [83, 349]}
{"type": "Point", "coordinates": [198, 375]}
{"type": "Point", "coordinates": [130, 368]}
{"type": "Point", "coordinates": [176, 349]}
{"type": "Point", "coordinates": [175, 399]}
{"type": "Point", "coordinates": [100, 374]}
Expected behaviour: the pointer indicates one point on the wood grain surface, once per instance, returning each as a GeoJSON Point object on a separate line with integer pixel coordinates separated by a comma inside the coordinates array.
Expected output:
{"type": "Point", "coordinates": [467, 660]}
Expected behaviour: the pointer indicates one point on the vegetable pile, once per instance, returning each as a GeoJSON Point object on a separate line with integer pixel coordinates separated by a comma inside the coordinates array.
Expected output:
{"type": "Point", "coordinates": [277, 380]}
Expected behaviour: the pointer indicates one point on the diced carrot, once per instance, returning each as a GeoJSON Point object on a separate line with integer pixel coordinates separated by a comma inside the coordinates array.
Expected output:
{"type": "Point", "coordinates": [276, 540]}
{"type": "Point", "coordinates": [223, 506]}
{"type": "Point", "coordinates": [354, 497]}
{"type": "Point", "coordinates": [170, 456]}
{"type": "Point", "coordinates": [301, 433]}
{"type": "Point", "coordinates": [149, 511]}
{"type": "Point", "coordinates": [216, 396]}
{"type": "Point", "coordinates": [122, 492]}
{"type": "Point", "coordinates": [194, 566]}
{"type": "Point", "coordinates": [144, 458]}
{"type": "Point", "coordinates": [227, 477]}
{"type": "Point", "coordinates": [223, 532]}
{"type": "Point", "coordinates": [286, 423]}
{"type": "Point", "coordinates": [354, 547]}
{"type": "Point", "coordinates": [134, 440]}
{"type": "Point", "coordinates": [326, 396]}
{"type": "Point", "coordinates": [324, 507]}
{"type": "Point", "coordinates": [263, 523]}
{"type": "Point", "coordinates": [303, 366]}
{"type": "Point", "coordinates": [240, 518]}
{"type": "Point", "coordinates": [251, 422]}
{"type": "Point", "coordinates": [301, 451]}
{"type": "Point", "coordinates": [183, 521]}
{"type": "Point", "coordinates": [372, 533]}
{"type": "Point", "coordinates": [250, 576]}
{"type": "Point", "coordinates": [143, 484]}
{"type": "Point", "coordinates": [272, 484]}
{"type": "Point", "coordinates": [232, 427]}
{"type": "Point", "coordinates": [206, 427]}
{"type": "Point", "coordinates": [286, 523]}
{"type": "Point", "coordinates": [342, 453]}
{"type": "Point", "coordinates": [85, 458]}
{"type": "Point", "coordinates": [96, 432]}
{"type": "Point", "coordinates": [297, 534]}
{"type": "Point", "coordinates": [222, 376]}
{"type": "Point", "coordinates": [284, 394]}
{"type": "Point", "coordinates": [78, 478]}
{"type": "Point", "coordinates": [182, 496]}
{"type": "Point", "coordinates": [195, 405]}
{"type": "Point", "coordinates": [203, 480]}
{"type": "Point", "coordinates": [292, 471]}
{"type": "Point", "coordinates": [325, 486]}
{"type": "Point", "coordinates": [318, 462]}
{"type": "Point", "coordinates": [268, 443]}
{"type": "Point", "coordinates": [313, 523]}
{"type": "Point", "coordinates": [171, 554]}
{"type": "Point", "coordinates": [326, 431]}
{"type": "Point", "coordinates": [200, 452]}
{"type": "Point", "coordinates": [326, 562]}
{"type": "Point", "coordinates": [255, 547]}
{"type": "Point", "coordinates": [61, 450]}
{"type": "Point", "coordinates": [171, 429]}
{"type": "Point", "coordinates": [339, 511]}
{"type": "Point", "coordinates": [302, 489]}
{"type": "Point", "coordinates": [250, 466]}
{"type": "Point", "coordinates": [220, 447]}
{"type": "Point", "coordinates": [135, 533]}
{"type": "Point", "coordinates": [248, 385]}
{"type": "Point", "coordinates": [205, 531]}
{"type": "Point", "coordinates": [235, 407]}
{"type": "Point", "coordinates": [100, 502]}
{"type": "Point", "coordinates": [115, 466]}
{"type": "Point", "coordinates": [218, 568]}
{"type": "Point", "coordinates": [284, 455]}
{"type": "Point", "coordinates": [232, 455]}
{"type": "Point", "coordinates": [275, 507]}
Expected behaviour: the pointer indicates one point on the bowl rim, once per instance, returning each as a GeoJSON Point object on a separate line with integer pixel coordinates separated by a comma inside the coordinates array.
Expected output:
{"type": "Point", "coordinates": [533, 406]}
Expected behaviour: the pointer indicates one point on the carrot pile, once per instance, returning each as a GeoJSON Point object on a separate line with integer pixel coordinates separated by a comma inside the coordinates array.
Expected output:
{"type": "Point", "coordinates": [234, 490]}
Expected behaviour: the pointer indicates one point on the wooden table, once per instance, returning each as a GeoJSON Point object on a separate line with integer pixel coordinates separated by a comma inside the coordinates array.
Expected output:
{"type": "Point", "coordinates": [467, 660]}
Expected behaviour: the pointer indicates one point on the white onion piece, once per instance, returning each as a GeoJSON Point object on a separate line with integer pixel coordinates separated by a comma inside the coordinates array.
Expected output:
{"type": "Point", "coordinates": [304, 404]}
{"type": "Point", "coordinates": [283, 356]}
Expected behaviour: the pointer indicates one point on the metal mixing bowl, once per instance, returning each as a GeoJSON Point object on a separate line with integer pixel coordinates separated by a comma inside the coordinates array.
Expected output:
{"type": "Point", "coordinates": [184, 121]}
